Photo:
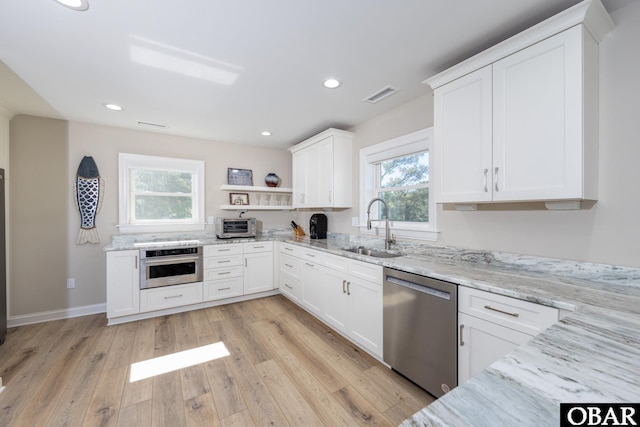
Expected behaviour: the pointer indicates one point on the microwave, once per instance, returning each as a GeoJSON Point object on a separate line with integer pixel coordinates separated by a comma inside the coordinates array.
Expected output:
{"type": "Point", "coordinates": [229, 228]}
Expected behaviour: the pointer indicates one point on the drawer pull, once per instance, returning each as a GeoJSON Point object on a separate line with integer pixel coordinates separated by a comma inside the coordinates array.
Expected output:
{"type": "Point", "coordinates": [290, 266]}
{"type": "Point", "coordinates": [224, 261]}
{"type": "Point", "coordinates": [173, 296]}
{"type": "Point", "coordinates": [348, 290]}
{"type": "Point", "coordinates": [288, 249]}
{"type": "Point", "coordinates": [224, 289]}
{"type": "Point", "coordinates": [224, 272]}
{"type": "Point", "coordinates": [461, 331]}
{"type": "Point", "coordinates": [344, 282]}
{"type": "Point", "coordinates": [288, 286]}
{"type": "Point", "coordinates": [310, 265]}
{"type": "Point", "coordinates": [488, 307]}
{"type": "Point", "coordinates": [311, 255]}
{"type": "Point", "coordinates": [258, 247]}
{"type": "Point", "coordinates": [224, 250]}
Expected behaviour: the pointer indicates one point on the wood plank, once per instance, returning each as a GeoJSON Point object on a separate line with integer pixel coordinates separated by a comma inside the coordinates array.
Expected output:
{"type": "Point", "coordinates": [294, 407]}
{"type": "Point", "coordinates": [239, 326]}
{"type": "Point", "coordinates": [262, 406]}
{"type": "Point", "coordinates": [239, 419]}
{"type": "Point", "coordinates": [201, 411]}
{"type": "Point", "coordinates": [105, 403]}
{"type": "Point", "coordinates": [224, 387]}
{"type": "Point", "coordinates": [363, 412]}
{"type": "Point", "coordinates": [138, 415]}
{"type": "Point", "coordinates": [167, 405]}
{"type": "Point", "coordinates": [143, 348]}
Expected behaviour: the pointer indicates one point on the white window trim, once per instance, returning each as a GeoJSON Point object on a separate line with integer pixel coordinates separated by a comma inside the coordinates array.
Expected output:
{"type": "Point", "coordinates": [127, 161]}
{"type": "Point", "coordinates": [401, 146]}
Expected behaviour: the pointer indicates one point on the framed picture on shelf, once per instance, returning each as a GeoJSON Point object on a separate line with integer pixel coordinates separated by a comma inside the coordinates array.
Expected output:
{"type": "Point", "coordinates": [239, 176]}
{"type": "Point", "coordinates": [239, 198]}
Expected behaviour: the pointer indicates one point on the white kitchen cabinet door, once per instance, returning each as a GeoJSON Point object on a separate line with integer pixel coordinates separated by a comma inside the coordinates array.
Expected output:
{"type": "Point", "coordinates": [258, 272]}
{"type": "Point", "coordinates": [538, 121]}
{"type": "Point", "coordinates": [322, 171]}
{"type": "Point", "coordinates": [480, 343]}
{"type": "Point", "coordinates": [336, 312]}
{"type": "Point", "coordinates": [365, 314]}
{"type": "Point", "coordinates": [462, 139]}
{"type": "Point", "coordinates": [123, 283]}
{"type": "Point", "coordinates": [313, 287]}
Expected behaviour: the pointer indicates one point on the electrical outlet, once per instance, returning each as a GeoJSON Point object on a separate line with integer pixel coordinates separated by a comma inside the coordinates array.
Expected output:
{"type": "Point", "coordinates": [355, 221]}
{"type": "Point", "coordinates": [210, 219]}
{"type": "Point", "coordinates": [71, 283]}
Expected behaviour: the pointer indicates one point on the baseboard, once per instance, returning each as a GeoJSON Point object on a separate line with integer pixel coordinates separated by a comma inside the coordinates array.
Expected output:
{"type": "Point", "coordinates": [45, 316]}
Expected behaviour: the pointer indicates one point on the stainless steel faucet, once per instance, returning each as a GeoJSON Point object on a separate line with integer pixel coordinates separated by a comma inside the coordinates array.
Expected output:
{"type": "Point", "coordinates": [388, 239]}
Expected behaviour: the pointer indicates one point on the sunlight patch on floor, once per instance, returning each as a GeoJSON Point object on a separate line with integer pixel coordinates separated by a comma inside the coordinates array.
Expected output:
{"type": "Point", "coordinates": [173, 362]}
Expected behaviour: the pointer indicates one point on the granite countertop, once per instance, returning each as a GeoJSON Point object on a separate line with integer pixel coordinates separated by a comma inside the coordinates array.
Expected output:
{"type": "Point", "coordinates": [591, 355]}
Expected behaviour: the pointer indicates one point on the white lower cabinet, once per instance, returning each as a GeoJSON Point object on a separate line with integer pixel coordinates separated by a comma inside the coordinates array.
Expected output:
{"type": "Point", "coordinates": [223, 272]}
{"type": "Point", "coordinates": [258, 267]}
{"type": "Point", "coordinates": [346, 294]}
{"type": "Point", "coordinates": [491, 325]}
{"type": "Point", "coordinates": [123, 283]}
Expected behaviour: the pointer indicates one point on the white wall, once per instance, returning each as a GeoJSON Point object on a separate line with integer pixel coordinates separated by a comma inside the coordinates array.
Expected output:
{"type": "Point", "coordinates": [607, 232]}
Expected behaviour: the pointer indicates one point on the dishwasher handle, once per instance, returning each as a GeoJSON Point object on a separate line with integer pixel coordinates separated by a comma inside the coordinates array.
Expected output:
{"type": "Point", "coordinates": [419, 287]}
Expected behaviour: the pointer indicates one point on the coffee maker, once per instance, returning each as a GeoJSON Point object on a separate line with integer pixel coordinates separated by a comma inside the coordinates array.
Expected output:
{"type": "Point", "coordinates": [318, 226]}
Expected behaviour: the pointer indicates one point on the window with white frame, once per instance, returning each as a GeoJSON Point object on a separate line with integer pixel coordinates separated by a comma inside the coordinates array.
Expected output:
{"type": "Point", "coordinates": [160, 194]}
{"type": "Point", "coordinates": [397, 171]}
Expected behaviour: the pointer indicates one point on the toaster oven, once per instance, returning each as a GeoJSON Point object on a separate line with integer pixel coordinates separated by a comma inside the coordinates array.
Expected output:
{"type": "Point", "coordinates": [229, 228]}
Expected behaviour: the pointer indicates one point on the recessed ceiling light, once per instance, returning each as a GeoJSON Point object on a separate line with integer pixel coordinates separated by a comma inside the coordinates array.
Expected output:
{"type": "Point", "coordinates": [265, 133]}
{"type": "Point", "coordinates": [75, 4]}
{"type": "Point", "coordinates": [331, 83]}
{"type": "Point", "coordinates": [113, 107]}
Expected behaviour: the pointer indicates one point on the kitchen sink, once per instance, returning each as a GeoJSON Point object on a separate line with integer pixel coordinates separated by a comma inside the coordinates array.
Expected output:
{"type": "Point", "coordinates": [361, 250]}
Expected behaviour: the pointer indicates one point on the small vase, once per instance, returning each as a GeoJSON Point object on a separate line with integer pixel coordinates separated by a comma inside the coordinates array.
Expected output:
{"type": "Point", "coordinates": [272, 180]}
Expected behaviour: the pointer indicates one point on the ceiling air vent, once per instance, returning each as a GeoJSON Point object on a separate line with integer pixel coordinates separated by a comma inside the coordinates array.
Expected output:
{"type": "Point", "coordinates": [381, 94]}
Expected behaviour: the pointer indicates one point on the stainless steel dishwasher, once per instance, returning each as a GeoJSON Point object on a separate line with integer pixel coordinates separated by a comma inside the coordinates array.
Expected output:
{"type": "Point", "coordinates": [420, 329]}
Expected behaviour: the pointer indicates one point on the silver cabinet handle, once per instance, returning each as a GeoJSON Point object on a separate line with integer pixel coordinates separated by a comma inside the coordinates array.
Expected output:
{"type": "Point", "coordinates": [173, 296]}
{"type": "Point", "coordinates": [288, 286]}
{"type": "Point", "coordinates": [288, 249]}
{"type": "Point", "coordinates": [461, 332]}
{"type": "Point", "coordinates": [290, 266]}
{"type": "Point", "coordinates": [224, 250]}
{"type": "Point", "coordinates": [224, 289]}
{"type": "Point", "coordinates": [344, 282]}
{"type": "Point", "coordinates": [258, 247]}
{"type": "Point", "coordinates": [245, 262]}
{"type": "Point", "coordinates": [310, 255]}
{"type": "Point", "coordinates": [136, 262]}
{"type": "Point", "coordinates": [310, 265]}
{"type": "Point", "coordinates": [496, 178]}
{"type": "Point", "coordinates": [488, 307]}
{"type": "Point", "coordinates": [486, 173]}
{"type": "Point", "coordinates": [224, 261]}
{"type": "Point", "coordinates": [348, 290]}
{"type": "Point", "coordinates": [223, 273]}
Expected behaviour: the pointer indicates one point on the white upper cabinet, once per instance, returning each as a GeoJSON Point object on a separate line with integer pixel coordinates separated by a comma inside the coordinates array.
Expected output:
{"type": "Point", "coordinates": [519, 122]}
{"type": "Point", "coordinates": [322, 171]}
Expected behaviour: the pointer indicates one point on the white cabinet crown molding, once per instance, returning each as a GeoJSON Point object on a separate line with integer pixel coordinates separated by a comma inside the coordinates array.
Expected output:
{"type": "Point", "coordinates": [590, 13]}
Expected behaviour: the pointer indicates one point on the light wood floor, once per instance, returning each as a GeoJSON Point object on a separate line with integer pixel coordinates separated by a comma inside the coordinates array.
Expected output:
{"type": "Point", "coordinates": [285, 369]}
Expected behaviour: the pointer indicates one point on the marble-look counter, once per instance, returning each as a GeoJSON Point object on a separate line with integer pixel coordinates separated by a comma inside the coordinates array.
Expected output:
{"type": "Point", "coordinates": [591, 355]}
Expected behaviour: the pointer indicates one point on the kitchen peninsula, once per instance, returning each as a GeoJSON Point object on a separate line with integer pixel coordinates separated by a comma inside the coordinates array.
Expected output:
{"type": "Point", "coordinates": [591, 354]}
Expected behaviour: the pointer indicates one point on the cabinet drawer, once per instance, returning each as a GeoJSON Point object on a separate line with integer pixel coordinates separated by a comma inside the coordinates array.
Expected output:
{"type": "Point", "coordinates": [513, 313]}
{"type": "Point", "coordinates": [222, 261]}
{"type": "Point", "coordinates": [366, 271]}
{"type": "Point", "coordinates": [170, 296]}
{"type": "Point", "coordinates": [311, 256]}
{"type": "Point", "coordinates": [224, 288]}
{"type": "Point", "coordinates": [290, 287]}
{"type": "Point", "coordinates": [286, 248]}
{"type": "Point", "coordinates": [258, 247]}
{"type": "Point", "coordinates": [222, 273]}
{"type": "Point", "coordinates": [335, 263]}
{"type": "Point", "coordinates": [290, 265]}
{"type": "Point", "coordinates": [222, 249]}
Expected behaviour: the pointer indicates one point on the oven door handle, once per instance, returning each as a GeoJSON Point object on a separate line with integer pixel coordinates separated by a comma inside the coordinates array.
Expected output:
{"type": "Point", "coordinates": [170, 260]}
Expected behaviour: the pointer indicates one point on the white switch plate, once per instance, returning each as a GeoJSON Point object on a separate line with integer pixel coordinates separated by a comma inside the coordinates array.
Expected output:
{"type": "Point", "coordinates": [210, 219]}
{"type": "Point", "coordinates": [71, 283]}
{"type": "Point", "coordinates": [355, 221]}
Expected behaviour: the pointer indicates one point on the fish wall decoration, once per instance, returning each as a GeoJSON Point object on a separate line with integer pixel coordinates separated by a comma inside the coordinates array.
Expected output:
{"type": "Point", "coordinates": [88, 192]}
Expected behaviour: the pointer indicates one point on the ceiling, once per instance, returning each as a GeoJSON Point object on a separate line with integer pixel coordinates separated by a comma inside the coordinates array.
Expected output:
{"type": "Point", "coordinates": [228, 70]}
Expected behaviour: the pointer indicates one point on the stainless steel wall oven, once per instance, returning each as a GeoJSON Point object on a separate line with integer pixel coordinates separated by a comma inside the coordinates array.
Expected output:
{"type": "Point", "coordinates": [170, 266]}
